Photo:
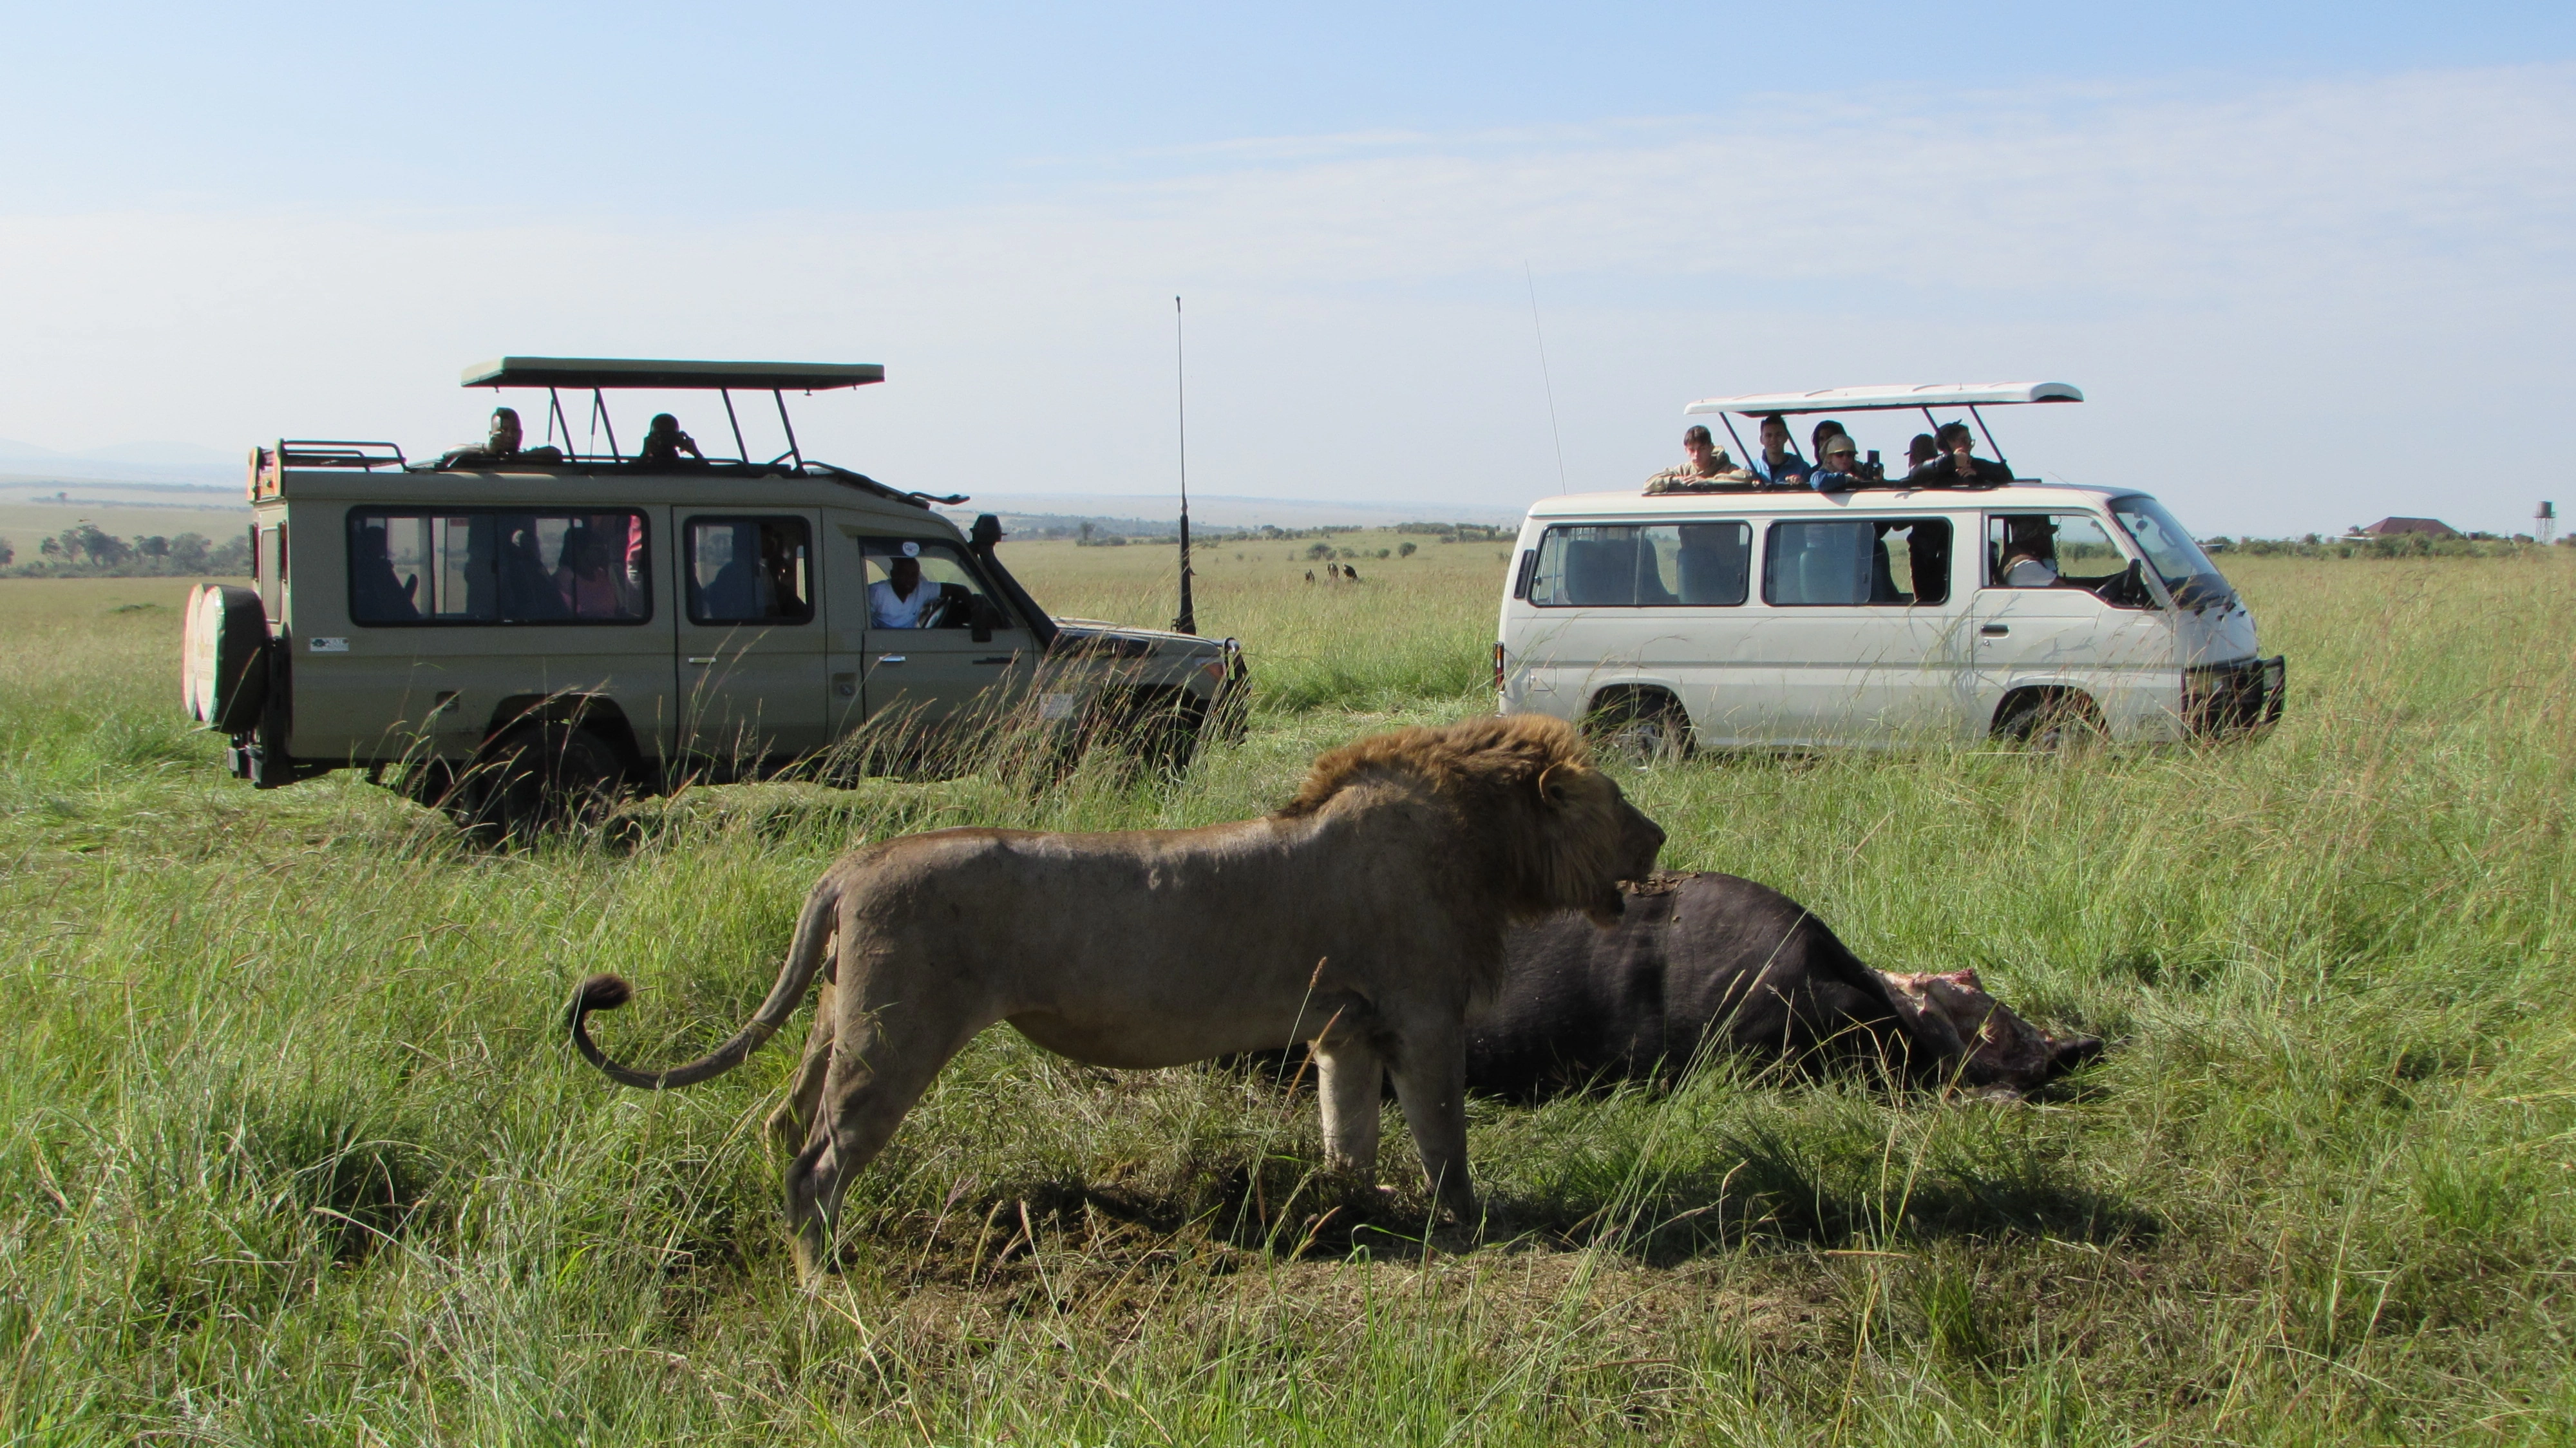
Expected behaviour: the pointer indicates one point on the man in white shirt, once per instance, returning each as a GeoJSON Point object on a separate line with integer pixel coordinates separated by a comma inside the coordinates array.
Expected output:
{"type": "Point", "coordinates": [903, 600]}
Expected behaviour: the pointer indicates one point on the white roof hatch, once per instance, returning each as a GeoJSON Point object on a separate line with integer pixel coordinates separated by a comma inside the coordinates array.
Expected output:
{"type": "Point", "coordinates": [1873, 399]}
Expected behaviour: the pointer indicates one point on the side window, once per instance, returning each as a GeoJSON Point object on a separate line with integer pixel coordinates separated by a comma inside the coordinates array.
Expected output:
{"type": "Point", "coordinates": [1853, 561]}
{"type": "Point", "coordinates": [2045, 550]}
{"type": "Point", "coordinates": [423, 566]}
{"type": "Point", "coordinates": [750, 570]}
{"type": "Point", "coordinates": [1628, 566]}
{"type": "Point", "coordinates": [920, 583]}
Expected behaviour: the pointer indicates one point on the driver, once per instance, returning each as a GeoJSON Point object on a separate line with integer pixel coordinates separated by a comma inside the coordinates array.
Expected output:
{"type": "Point", "coordinates": [902, 600]}
{"type": "Point", "coordinates": [2030, 553]}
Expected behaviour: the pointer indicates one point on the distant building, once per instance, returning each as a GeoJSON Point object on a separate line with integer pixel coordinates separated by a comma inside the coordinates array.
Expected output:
{"type": "Point", "coordinates": [2394, 527]}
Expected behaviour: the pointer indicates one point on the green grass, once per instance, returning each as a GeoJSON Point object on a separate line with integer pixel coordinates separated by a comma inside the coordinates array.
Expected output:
{"type": "Point", "coordinates": [291, 1149]}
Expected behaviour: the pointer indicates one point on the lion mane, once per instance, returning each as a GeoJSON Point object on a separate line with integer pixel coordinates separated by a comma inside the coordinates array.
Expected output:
{"type": "Point", "coordinates": [1365, 915]}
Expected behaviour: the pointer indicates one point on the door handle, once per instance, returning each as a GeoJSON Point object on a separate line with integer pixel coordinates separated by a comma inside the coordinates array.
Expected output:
{"type": "Point", "coordinates": [997, 659]}
{"type": "Point", "coordinates": [703, 659]}
{"type": "Point", "coordinates": [1995, 630]}
{"type": "Point", "coordinates": [889, 658]}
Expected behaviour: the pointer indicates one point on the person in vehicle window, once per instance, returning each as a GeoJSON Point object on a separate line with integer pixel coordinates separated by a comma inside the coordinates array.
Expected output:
{"type": "Point", "coordinates": [1708, 466]}
{"type": "Point", "coordinates": [1920, 451]}
{"type": "Point", "coordinates": [527, 590]}
{"type": "Point", "coordinates": [591, 586]}
{"type": "Point", "coordinates": [500, 445]}
{"type": "Point", "coordinates": [902, 600]}
{"type": "Point", "coordinates": [1779, 465]}
{"type": "Point", "coordinates": [664, 442]}
{"type": "Point", "coordinates": [1958, 466]}
{"type": "Point", "coordinates": [381, 596]}
{"type": "Point", "coordinates": [1838, 472]}
{"type": "Point", "coordinates": [2030, 554]}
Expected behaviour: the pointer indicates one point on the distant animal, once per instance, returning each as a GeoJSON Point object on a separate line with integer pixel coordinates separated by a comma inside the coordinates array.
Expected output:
{"type": "Point", "coordinates": [1310, 575]}
{"type": "Point", "coordinates": [1709, 962]}
{"type": "Point", "coordinates": [1365, 915]}
{"type": "Point", "coordinates": [1350, 573]}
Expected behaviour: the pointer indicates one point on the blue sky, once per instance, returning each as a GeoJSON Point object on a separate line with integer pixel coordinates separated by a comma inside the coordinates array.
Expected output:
{"type": "Point", "coordinates": [2311, 263]}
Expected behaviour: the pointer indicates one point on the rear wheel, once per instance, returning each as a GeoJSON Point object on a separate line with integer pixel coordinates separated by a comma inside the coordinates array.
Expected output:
{"type": "Point", "coordinates": [1640, 729]}
{"type": "Point", "coordinates": [536, 779]}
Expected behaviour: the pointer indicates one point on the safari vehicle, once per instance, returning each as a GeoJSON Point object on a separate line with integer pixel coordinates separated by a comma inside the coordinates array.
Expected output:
{"type": "Point", "coordinates": [1790, 618]}
{"type": "Point", "coordinates": [519, 634]}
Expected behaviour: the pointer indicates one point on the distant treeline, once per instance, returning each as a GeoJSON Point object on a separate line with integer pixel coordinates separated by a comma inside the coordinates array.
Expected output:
{"type": "Point", "coordinates": [2399, 545]}
{"type": "Point", "coordinates": [88, 551]}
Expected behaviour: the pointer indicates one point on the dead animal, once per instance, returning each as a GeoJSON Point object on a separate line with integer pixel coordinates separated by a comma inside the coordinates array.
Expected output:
{"type": "Point", "coordinates": [1364, 916]}
{"type": "Point", "coordinates": [1709, 962]}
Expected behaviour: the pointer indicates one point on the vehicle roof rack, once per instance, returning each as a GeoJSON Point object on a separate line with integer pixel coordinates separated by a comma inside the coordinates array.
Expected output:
{"type": "Point", "coordinates": [601, 372]}
{"type": "Point", "coordinates": [1874, 399]}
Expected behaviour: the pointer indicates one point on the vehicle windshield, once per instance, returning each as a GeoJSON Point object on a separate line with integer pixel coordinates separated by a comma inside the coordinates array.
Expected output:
{"type": "Point", "coordinates": [2189, 576]}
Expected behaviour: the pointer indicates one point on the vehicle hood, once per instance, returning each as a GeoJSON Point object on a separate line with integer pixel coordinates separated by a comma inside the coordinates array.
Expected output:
{"type": "Point", "coordinates": [1095, 635]}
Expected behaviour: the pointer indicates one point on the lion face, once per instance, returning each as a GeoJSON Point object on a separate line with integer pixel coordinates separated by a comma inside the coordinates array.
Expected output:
{"type": "Point", "coordinates": [1599, 839]}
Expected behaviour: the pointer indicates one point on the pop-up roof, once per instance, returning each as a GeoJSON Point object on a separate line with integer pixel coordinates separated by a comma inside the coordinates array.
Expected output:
{"type": "Point", "coordinates": [1871, 399]}
{"type": "Point", "coordinates": [598, 372]}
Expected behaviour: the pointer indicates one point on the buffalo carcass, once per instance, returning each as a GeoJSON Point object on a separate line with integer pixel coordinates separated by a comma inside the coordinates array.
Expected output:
{"type": "Point", "coordinates": [1718, 963]}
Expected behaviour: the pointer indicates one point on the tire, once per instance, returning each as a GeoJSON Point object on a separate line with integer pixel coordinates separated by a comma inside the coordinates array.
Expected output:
{"type": "Point", "coordinates": [1162, 733]}
{"type": "Point", "coordinates": [2051, 723]}
{"type": "Point", "coordinates": [1643, 730]}
{"type": "Point", "coordinates": [223, 658]}
{"type": "Point", "coordinates": [538, 779]}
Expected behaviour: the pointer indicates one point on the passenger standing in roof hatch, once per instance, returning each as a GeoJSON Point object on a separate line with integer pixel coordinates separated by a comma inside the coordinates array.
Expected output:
{"type": "Point", "coordinates": [500, 445]}
{"type": "Point", "coordinates": [1708, 466]}
{"type": "Point", "coordinates": [1837, 473]}
{"type": "Point", "coordinates": [902, 600]}
{"type": "Point", "coordinates": [1920, 451]}
{"type": "Point", "coordinates": [1824, 430]}
{"type": "Point", "coordinates": [1779, 465]}
{"type": "Point", "coordinates": [1959, 467]}
{"type": "Point", "coordinates": [664, 442]}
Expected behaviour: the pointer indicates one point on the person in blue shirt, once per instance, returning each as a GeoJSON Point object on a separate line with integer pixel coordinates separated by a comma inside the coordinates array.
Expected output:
{"type": "Point", "coordinates": [1838, 473]}
{"type": "Point", "coordinates": [1778, 464]}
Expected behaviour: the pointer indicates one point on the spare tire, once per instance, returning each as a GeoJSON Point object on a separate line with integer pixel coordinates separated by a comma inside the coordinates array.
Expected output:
{"type": "Point", "coordinates": [223, 662]}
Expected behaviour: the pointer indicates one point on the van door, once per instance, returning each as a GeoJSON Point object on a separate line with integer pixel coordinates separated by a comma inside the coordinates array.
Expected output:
{"type": "Point", "coordinates": [751, 648]}
{"type": "Point", "coordinates": [943, 656]}
{"type": "Point", "coordinates": [1862, 635]}
{"type": "Point", "coordinates": [2046, 617]}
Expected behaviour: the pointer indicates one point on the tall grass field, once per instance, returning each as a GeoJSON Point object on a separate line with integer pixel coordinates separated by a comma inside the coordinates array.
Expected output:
{"type": "Point", "coordinates": [293, 1150]}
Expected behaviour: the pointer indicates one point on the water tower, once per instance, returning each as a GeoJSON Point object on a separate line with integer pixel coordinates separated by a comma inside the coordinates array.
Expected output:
{"type": "Point", "coordinates": [2544, 521]}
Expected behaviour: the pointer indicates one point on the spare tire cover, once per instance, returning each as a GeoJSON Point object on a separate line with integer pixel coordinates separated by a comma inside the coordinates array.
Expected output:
{"type": "Point", "coordinates": [223, 670]}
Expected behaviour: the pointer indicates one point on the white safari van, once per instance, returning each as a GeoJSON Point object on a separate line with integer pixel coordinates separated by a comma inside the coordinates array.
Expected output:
{"type": "Point", "coordinates": [1970, 604]}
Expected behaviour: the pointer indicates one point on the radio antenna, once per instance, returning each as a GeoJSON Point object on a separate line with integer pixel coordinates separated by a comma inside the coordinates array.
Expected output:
{"type": "Point", "coordinates": [1188, 621]}
{"type": "Point", "coordinates": [1532, 280]}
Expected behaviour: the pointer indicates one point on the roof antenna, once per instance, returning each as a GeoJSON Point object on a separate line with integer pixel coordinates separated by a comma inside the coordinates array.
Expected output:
{"type": "Point", "coordinates": [1532, 280]}
{"type": "Point", "coordinates": [1188, 622]}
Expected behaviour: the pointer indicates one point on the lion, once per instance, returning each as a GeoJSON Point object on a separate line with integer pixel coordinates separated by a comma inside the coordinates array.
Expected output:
{"type": "Point", "coordinates": [1366, 916]}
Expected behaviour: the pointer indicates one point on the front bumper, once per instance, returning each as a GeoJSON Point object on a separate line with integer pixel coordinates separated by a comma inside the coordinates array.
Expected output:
{"type": "Point", "coordinates": [2234, 698]}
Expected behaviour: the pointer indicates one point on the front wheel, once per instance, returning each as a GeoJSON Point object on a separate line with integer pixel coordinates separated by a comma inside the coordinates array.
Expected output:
{"type": "Point", "coordinates": [2052, 724]}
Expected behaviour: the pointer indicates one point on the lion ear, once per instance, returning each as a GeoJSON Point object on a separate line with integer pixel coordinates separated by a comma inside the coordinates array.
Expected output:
{"type": "Point", "coordinates": [1555, 785]}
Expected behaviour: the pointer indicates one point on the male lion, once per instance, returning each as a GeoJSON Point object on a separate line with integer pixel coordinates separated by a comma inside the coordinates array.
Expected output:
{"type": "Point", "coordinates": [1364, 916]}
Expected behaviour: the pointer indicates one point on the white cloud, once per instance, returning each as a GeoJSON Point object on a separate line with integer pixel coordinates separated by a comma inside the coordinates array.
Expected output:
{"type": "Point", "coordinates": [2264, 293]}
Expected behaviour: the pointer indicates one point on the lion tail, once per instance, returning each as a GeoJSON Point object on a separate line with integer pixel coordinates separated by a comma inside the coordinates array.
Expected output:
{"type": "Point", "coordinates": [805, 957]}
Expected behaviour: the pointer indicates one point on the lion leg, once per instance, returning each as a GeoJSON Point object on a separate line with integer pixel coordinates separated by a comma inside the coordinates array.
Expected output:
{"type": "Point", "coordinates": [1350, 1079]}
{"type": "Point", "coordinates": [792, 1124]}
{"type": "Point", "coordinates": [875, 1076]}
{"type": "Point", "coordinates": [1431, 1084]}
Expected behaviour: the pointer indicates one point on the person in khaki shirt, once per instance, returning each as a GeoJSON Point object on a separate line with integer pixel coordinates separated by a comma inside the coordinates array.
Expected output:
{"type": "Point", "coordinates": [1709, 467]}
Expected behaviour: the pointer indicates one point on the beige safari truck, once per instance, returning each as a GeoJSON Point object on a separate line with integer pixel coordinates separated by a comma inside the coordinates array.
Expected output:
{"type": "Point", "coordinates": [521, 635]}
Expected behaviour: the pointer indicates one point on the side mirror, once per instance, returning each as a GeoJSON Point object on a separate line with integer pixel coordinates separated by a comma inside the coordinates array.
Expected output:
{"type": "Point", "coordinates": [984, 616]}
